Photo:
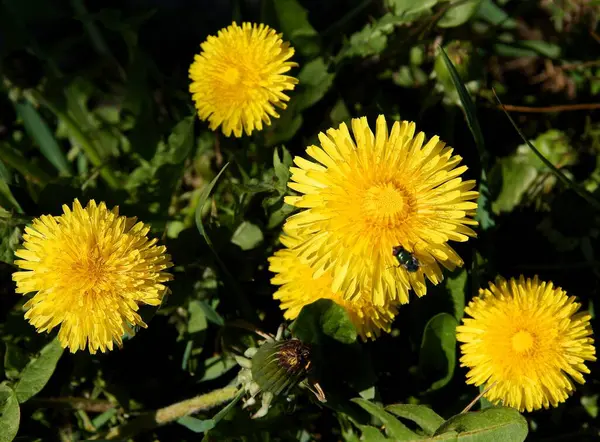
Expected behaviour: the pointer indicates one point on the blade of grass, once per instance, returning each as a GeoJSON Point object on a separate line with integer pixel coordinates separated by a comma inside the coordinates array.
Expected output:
{"type": "Point", "coordinates": [555, 171]}
{"type": "Point", "coordinates": [241, 299]}
{"type": "Point", "coordinates": [37, 129]}
{"type": "Point", "coordinates": [469, 109]}
{"type": "Point", "coordinates": [484, 201]}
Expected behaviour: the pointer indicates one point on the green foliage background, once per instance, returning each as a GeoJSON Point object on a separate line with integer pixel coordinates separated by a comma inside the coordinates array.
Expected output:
{"type": "Point", "coordinates": [94, 104]}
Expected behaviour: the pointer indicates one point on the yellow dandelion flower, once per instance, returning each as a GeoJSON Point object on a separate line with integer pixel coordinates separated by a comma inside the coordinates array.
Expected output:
{"type": "Point", "coordinates": [90, 269]}
{"type": "Point", "coordinates": [237, 79]}
{"type": "Point", "coordinates": [299, 288]}
{"type": "Point", "coordinates": [366, 198]}
{"type": "Point", "coordinates": [527, 340]}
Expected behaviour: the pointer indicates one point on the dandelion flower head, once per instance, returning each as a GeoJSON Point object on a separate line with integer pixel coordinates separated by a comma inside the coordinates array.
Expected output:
{"type": "Point", "coordinates": [365, 194]}
{"type": "Point", "coordinates": [298, 288]}
{"type": "Point", "coordinates": [527, 341]}
{"type": "Point", "coordinates": [238, 78]}
{"type": "Point", "coordinates": [90, 269]}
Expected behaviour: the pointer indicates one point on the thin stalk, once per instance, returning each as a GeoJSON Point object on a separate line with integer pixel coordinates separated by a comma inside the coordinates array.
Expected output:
{"type": "Point", "coordinates": [163, 416]}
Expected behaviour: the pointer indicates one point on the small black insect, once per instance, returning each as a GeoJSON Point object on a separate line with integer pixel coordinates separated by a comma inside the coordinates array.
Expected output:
{"type": "Point", "coordinates": [406, 259]}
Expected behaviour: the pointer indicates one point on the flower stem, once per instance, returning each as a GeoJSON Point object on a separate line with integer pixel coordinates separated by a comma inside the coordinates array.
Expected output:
{"type": "Point", "coordinates": [162, 416]}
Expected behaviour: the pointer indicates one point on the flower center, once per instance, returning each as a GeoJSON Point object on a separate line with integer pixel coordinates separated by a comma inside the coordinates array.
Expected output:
{"type": "Point", "coordinates": [232, 75]}
{"type": "Point", "coordinates": [522, 341]}
{"type": "Point", "coordinates": [386, 202]}
{"type": "Point", "coordinates": [89, 269]}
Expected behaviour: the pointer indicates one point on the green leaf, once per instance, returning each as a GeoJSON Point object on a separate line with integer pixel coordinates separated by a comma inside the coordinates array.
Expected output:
{"type": "Point", "coordinates": [197, 319]}
{"type": "Point", "coordinates": [281, 166]}
{"type": "Point", "coordinates": [216, 366]}
{"type": "Point", "coordinates": [372, 434]}
{"type": "Point", "coordinates": [15, 360]}
{"type": "Point", "coordinates": [520, 171]}
{"type": "Point", "coordinates": [211, 314]}
{"type": "Point", "coordinates": [556, 172]}
{"type": "Point", "coordinates": [324, 317]}
{"type": "Point", "coordinates": [315, 81]}
{"type": "Point", "coordinates": [30, 170]}
{"type": "Point", "coordinates": [393, 427]}
{"type": "Point", "coordinates": [293, 22]}
{"type": "Point", "coordinates": [438, 349]}
{"type": "Point", "coordinates": [181, 140]}
{"type": "Point", "coordinates": [10, 414]}
{"type": "Point", "coordinates": [372, 39]}
{"type": "Point", "coordinates": [10, 238]}
{"type": "Point", "coordinates": [496, 16]}
{"type": "Point", "coordinates": [468, 107]}
{"type": "Point", "coordinates": [498, 424]}
{"type": "Point", "coordinates": [408, 7]}
{"type": "Point", "coordinates": [7, 199]}
{"type": "Point", "coordinates": [247, 236]}
{"type": "Point", "coordinates": [39, 370]}
{"type": "Point", "coordinates": [456, 284]}
{"type": "Point", "coordinates": [459, 14]}
{"type": "Point", "coordinates": [240, 299]}
{"type": "Point", "coordinates": [102, 419]}
{"type": "Point", "coordinates": [196, 425]}
{"type": "Point", "coordinates": [204, 425]}
{"type": "Point", "coordinates": [483, 202]}
{"type": "Point", "coordinates": [423, 416]}
{"type": "Point", "coordinates": [37, 129]}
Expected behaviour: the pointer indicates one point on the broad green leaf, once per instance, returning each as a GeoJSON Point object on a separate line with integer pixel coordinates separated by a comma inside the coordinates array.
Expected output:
{"type": "Point", "coordinates": [459, 13]}
{"type": "Point", "coordinates": [423, 416]}
{"type": "Point", "coordinates": [196, 425]}
{"type": "Point", "coordinates": [570, 184]}
{"type": "Point", "coordinates": [372, 39]}
{"type": "Point", "coordinates": [456, 284]}
{"type": "Point", "coordinates": [407, 7]}
{"type": "Point", "coordinates": [438, 349]}
{"type": "Point", "coordinates": [293, 22]}
{"type": "Point", "coordinates": [493, 14]}
{"type": "Point", "coordinates": [315, 81]}
{"type": "Point", "coordinates": [10, 414]}
{"type": "Point", "coordinates": [393, 427]}
{"type": "Point", "coordinates": [211, 314]}
{"type": "Point", "coordinates": [247, 236]}
{"type": "Point", "coordinates": [324, 317]}
{"type": "Point", "coordinates": [498, 424]}
{"type": "Point", "coordinates": [543, 48]}
{"type": "Point", "coordinates": [37, 129]}
{"type": "Point", "coordinates": [38, 372]}
{"type": "Point", "coordinates": [523, 170]}
{"type": "Point", "coordinates": [197, 319]}
{"type": "Point", "coordinates": [216, 366]}
{"type": "Point", "coordinates": [372, 434]}
{"type": "Point", "coordinates": [181, 140]}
